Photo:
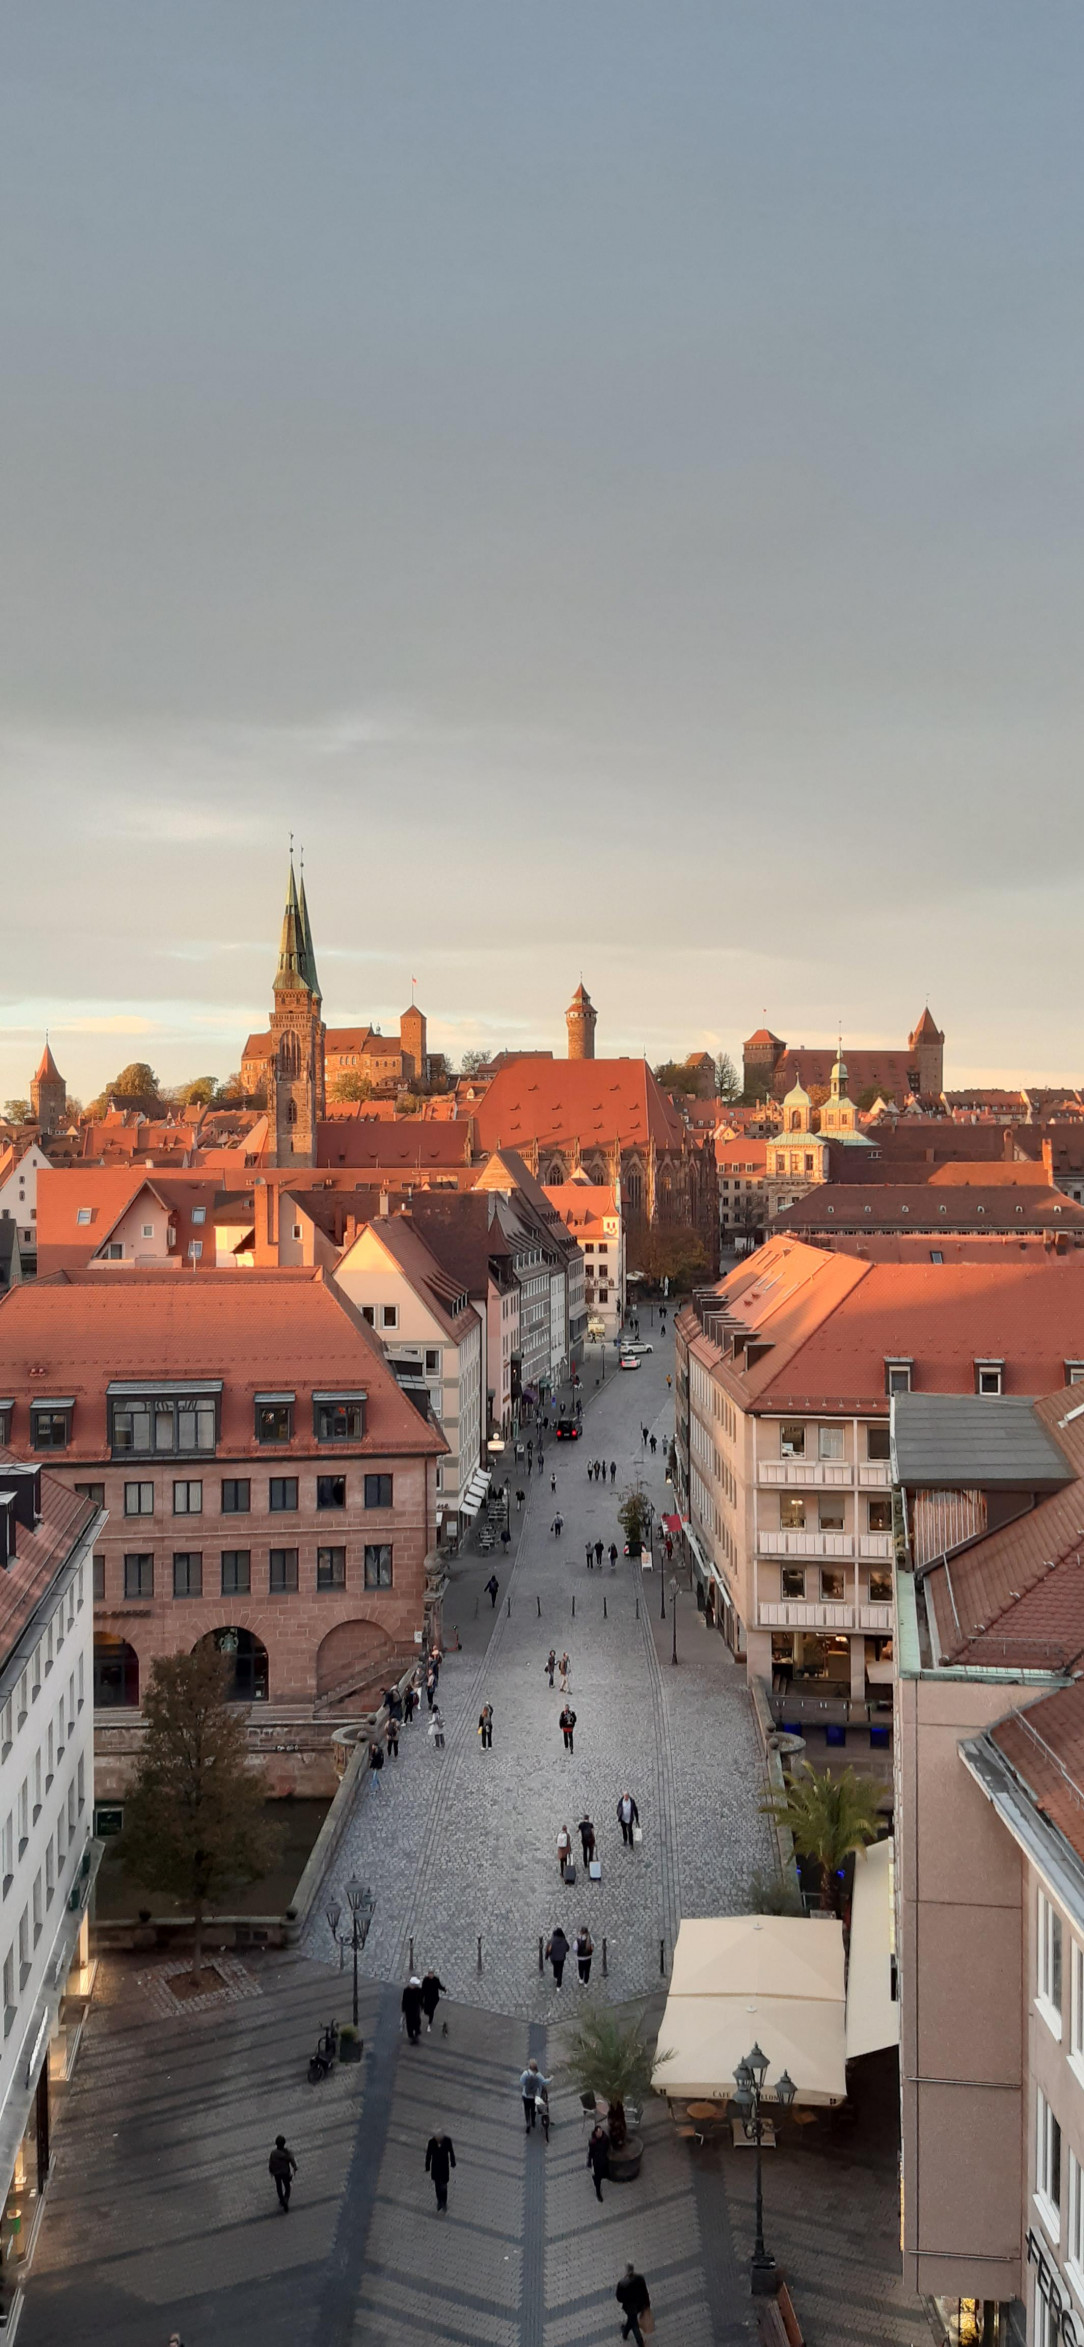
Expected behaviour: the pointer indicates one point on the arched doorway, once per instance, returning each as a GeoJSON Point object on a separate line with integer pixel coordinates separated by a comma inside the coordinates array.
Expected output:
{"type": "Point", "coordinates": [116, 1674]}
{"type": "Point", "coordinates": [352, 1658]}
{"type": "Point", "coordinates": [247, 1657]}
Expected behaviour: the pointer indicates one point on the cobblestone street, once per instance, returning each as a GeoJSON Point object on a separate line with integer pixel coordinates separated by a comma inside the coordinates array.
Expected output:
{"type": "Point", "coordinates": [462, 1844]}
{"type": "Point", "coordinates": [161, 2213]}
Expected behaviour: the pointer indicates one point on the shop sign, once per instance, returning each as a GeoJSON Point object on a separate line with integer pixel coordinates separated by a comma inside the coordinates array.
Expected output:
{"type": "Point", "coordinates": [1051, 2290]}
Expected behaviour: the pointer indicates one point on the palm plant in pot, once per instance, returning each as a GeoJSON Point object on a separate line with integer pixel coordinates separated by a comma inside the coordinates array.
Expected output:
{"type": "Point", "coordinates": [613, 2060]}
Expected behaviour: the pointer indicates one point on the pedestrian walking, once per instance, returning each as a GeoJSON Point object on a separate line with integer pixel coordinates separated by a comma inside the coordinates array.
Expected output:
{"type": "Point", "coordinates": [598, 1553]}
{"type": "Point", "coordinates": [643, 1436]}
{"type": "Point", "coordinates": [439, 2162]}
{"type": "Point", "coordinates": [550, 1664]}
{"type": "Point", "coordinates": [485, 1726]}
{"type": "Point", "coordinates": [544, 2108]}
{"type": "Point", "coordinates": [669, 1382]}
{"type": "Point", "coordinates": [631, 2295]}
{"type": "Point", "coordinates": [586, 1833]}
{"type": "Point", "coordinates": [653, 1445]}
{"type": "Point", "coordinates": [564, 1666]}
{"type": "Point", "coordinates": [376, 1763]}
{"type": "Point", "coordinates": [531, 2086]}
{"type": "Point", "coordinates": [435, 1660]}
{"type": "Point", "coordinates": [493, 1589]}
{"type": "Point", "coordinates": [613, 1556]}
{"type": "Point", "coordinates": [433, 1990]}
{"type": "Point", "coordinates": [391, 1738]}
{"type": "Point", "coordinates": [553, 1482]}
{"type": "Point", "coordinates": [540, 1462]}
{"type": "Point", "coordinates": [436, 1728]}
{"type": "Point", "coordinates": [505, 1538]}
{"type": "Point", "coordinates": [567, 1725]}
{"type": "Point", "coordinates": [558, 1525]}
{"type": "Point", "coordinates": [412, 2008]}
{"type": "Point", "coordinates": [283, 2168]}
{"type": "Point", "coordinates": [564, 1850]}
{"type": "Point", "coordinates": [628, 1817]}
{"type": "Point", "coordinates": [583, 1948]}
{"type": "Point", "coordinates": [598, 2156]}
{"type": "Point", "coordinates": [590, 1553]}
{"type": "Point", "coordinates": [613, 1470]}
{"type": "Point", "coordinates": [530, 1456]}
{"type": "Point", "coordinates": [519, 1501]}
{"type": "Point", "coordinates": [430, 1687]}
{"type": "Point", "coordinates": [557, 1954]}
{"type": "Point", "coordinates": [669, 1549]}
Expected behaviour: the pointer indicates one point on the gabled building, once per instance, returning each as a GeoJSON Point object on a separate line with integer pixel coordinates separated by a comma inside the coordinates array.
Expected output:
{"type": "Point", "coordinates": [591, 1214]}
{"type": "Point", "coordinates": [433, 1338]}
{"type": "Point", "coordinates": [19, 1172]}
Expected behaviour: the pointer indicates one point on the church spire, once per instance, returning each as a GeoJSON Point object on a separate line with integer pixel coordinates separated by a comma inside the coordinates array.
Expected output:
{"type": "Point", "coordinates": [293, 971]}
{"type": "Point", "coordinates": [307, 947]}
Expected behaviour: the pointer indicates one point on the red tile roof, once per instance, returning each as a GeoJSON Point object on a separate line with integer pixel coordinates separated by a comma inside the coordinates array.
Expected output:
{"type": "Point", "coordinates": [409, 1141]}
{"type": "Point", "coordinates": [1044, 1746]}
{"type": "Point", "coordinates": [108, 1193]}
{"type": "Point", "coordinates": [931, 1206]}
{"type": "Point", "coordinates": [257, 1331]}
{"type": "Point", "coordinates": [558, 1101]}
{"type": "Point", "coordinates": [41, 1554]}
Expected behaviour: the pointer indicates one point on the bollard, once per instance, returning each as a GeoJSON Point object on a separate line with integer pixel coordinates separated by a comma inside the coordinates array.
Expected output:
{"type": "Point", "coordinates": [412, 1955]}
{"type": "Point", "coordinates": [662, 1955]}
{"type": "Point", "coordinates": [573, 1605]}
{"type": "Point", "coordinates": [508, 1605]}
{"type": "Point", "coordinates": [605, 1615]}
{"type": "Point", "coordinates": [637, 1609]}
{"type": "Point", "coordinates": [605, 1958]}
{"type": "Point", "coordinates": [538, 1603]}
{"type": "Point", "coordinates": [480, 1951]}
{"type": "Point", "coordinates": [541, 1958]}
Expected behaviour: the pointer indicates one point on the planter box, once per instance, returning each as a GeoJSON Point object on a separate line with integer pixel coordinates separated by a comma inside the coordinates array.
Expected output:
{"type": "Point", "coordinates": [351, 2049]}
{"type": "Point", "coordinates": [625, 2164]}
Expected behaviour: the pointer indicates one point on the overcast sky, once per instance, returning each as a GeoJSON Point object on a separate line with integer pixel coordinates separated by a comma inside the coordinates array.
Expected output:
{"type": "Point", "coordinates": [607, 474]}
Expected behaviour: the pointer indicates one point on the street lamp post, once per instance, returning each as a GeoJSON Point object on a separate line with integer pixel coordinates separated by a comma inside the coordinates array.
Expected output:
{"type": "Point", "coordinates": [749, 2078]}
{"type": "Point", "coordinates": [673, 1615]}
{"type": "Point", "coordinates": [361, 1903]}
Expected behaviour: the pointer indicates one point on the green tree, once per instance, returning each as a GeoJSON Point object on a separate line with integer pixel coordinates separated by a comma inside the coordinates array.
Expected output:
{"type": "Point", "coordinates": [614, 2060]}
{"type": "Point", "coordinates": [198, 1094]}
{"type": "Point", "coordinates": [634, 1517]}
{"type": "Point", "coordinates": [352, 1086]}
{"type": "Point", "coordinates": [194, 1821]}
{"type": "Point", "coordinates": [728, 1083]}
{"type": "Point", "coordinates": [17, 1112]}
{"type": "Point", "coordinates": [135, 1082]}
{"type": "Point", "coordinates": [827, 1817]}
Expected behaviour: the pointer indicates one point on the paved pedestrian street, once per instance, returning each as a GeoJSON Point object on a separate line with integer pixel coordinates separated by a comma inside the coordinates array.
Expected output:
{"type": "Point", "coordinates": [162, 2214]}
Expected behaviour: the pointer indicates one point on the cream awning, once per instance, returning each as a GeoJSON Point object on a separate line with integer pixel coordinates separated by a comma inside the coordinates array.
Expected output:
{"type": "Point", "coordinates": [873, 2013]}
{"type": "Point", "coordinates": [776, 1979]}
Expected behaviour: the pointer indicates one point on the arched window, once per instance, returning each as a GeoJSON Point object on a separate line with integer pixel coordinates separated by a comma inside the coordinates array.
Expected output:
{"type": "Point", "coordinates": [116, 1674]}
{"type": "Point", "coordinates": [795, 1120]}
{"type": "Point", "coordinates": [247, 1657]}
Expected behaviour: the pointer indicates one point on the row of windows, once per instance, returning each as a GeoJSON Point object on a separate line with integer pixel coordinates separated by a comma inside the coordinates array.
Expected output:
{"type": "Point", "coordinates": [236, 1494]}
{"type": "Point", "coordinates": [38, 1780]}
{"type": "Point", "coordinates": [831, 1584]}
{"type": "Point", "coordinates": [235, 1571]}
{"type": "Point", "coordinates": [32, 1919]}
{"type": "Point", "coordinates": [41, 1662]}
{"type": "Point", "coordinates": [830, 1442]}
{"type": "Point", "coordinates": [187, 1423]}
{"type": "Point", "coordinates": [795, 1513]}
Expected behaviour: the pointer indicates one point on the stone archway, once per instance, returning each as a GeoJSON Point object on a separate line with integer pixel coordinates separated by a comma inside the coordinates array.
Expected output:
{"type": "Point", "coordinates": [352, 1662]}
{"type": "Point", "coordinates": [116, 1674]}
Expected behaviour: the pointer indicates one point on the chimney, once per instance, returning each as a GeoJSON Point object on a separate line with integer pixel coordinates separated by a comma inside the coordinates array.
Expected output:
{"type": "Point", "coordinates": [385, 1205]}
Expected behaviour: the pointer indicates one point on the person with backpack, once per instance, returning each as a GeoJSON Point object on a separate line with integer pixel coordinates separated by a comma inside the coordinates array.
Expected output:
{"type": "Point", "coordinates": [283, 2167]}
{"type": "Point", "coordinates": [557, 1954]}
{"type": "Point", "coordinates": [583, 1948]}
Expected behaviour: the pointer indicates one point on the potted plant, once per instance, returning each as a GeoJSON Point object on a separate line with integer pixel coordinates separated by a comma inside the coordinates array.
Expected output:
{"type": "Point", "coordinates": [614, 2060]}
{"type": "Point", "coordinates": [827, 1817]}
{"type": "Point", "coordinates": [351, 2043]}
{"type": "Point", "coordinates": [634, 1517]}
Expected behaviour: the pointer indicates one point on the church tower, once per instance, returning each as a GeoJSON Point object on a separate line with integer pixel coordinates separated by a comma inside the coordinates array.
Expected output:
{"type": "Point", "coordinates": [49, 1094]}
{"type": "Point", "coordinates": [295, 1091]}
{"type": "Point", "coordinates": [580, 1018]}
{"type": "Point", "coordinates": [927, 1046]}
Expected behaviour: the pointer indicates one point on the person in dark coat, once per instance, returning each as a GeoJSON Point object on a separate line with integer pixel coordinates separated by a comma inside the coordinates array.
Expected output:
{"type": "Point", "coordinates": [613, 1555]}
{"type": "Point", "coordinates": [557, 1954]}
{"type": "Point", "coordinates": [485, 1726]}
{"type": "Point", "coordinates": [598, 2157]}
{"type": "Point", "coordinates": [550, 1664]}
{"type": "Point", "coordinates": [439, 2162]}
{"type": "Point", "coordinates": [433, 1990]}
{"type": "Point", "coordinates": [627, 1816]}
{"type": "Point", "coordinates": [598, 1552]}
{"type": "Point", "coordinates": [632, 2297]}
{"type": "Point", "coordinates": [493, 1589]}
{"type": "Point", "coordinates": [283, 2167]}
{"type": "Point", "coordinates": [583, 1948]}
{"type": "Point", "coordinates": [376, 1763]}
{"type": "Point", "coordinates": [567, 1725]}
{"type": "Point", "coordinates": [613, 1470]}
{"type": "Point", "coordinates": [412, 2008]}
{"type": "Point", "coordinates": [587, 1837]}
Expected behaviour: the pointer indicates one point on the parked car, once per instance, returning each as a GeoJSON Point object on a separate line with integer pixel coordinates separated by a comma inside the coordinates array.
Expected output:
{"type": "Point", "coordinates": [634, 1345]}
{"type": "Point", "coordinates": [568, 1430]}
{"type": "Point", "coordinates": [630, 1361]}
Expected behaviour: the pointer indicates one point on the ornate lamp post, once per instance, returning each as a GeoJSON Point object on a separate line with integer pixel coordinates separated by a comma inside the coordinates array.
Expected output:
{"type": "Point", "coordinates": [673, 1614]}
{"type": "Point", "coordinates": [362, 1904]}
{"type": "Point", "coordinates": [749, 2079]}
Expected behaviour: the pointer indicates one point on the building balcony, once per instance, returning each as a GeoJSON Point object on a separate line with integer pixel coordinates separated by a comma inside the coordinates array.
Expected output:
{"type": "Point", "coordinates": [808, 1473]}
{"type": "Point", "coordinates": [875, 1475]}
{"type": "Point", "coordinates": [796, 1613]}
{"type": "Point", "coordinates": [806, 1544]}
{"type": "Point", "coordinates": [876, 1546]}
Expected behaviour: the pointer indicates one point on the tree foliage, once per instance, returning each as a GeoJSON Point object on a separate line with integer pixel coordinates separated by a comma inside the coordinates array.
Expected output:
{"type": "Point", "coordinates": [634, 1516]}
{"type": "Point", "coordinates": [614, 2060]}
{"type": "Point", "coordinates": [827, 1817]}
{"type": "Point", "coordinates": [17, 1112]}
{"type": "Point", "coordinates": [135, 1082]}
{"type": "Point", "coordinates": [472, 1061]}
{"type": "Point", "coordinates": [728, 1083]}
{"type": "Point", "coordinates": [677, 1254]}
{"type": "Point", "coordinates": [352, 1085]}
{"type": "Point", "coordinates": [194, 1822]}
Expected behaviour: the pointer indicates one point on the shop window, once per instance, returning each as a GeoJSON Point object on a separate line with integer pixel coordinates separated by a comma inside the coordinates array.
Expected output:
{"type": "Point", "coordinates": [246, 1657]}
{"type": "Point", "coordinates": [116, 1675]}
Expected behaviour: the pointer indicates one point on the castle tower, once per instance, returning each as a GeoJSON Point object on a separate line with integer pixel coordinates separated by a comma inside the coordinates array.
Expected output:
{"type": "Point", "coordinates": [413, 1045]}
{"type": "Point", "coordinates": [761, 1054]}
{"type": "Point", "coordinates": [295, 1091]}
{"type": "Point", "coordinates": [927, 1048]}
{"type": "Point", "coordinates": [580, 1019]}
{"type": "Point", "coordinates": [49, 1094]}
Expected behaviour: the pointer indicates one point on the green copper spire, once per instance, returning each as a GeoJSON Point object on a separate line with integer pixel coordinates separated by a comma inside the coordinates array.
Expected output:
{"type": "Point", "coordinates": [307, 947]}
{"type": "Point", "coordinates": [293, 969]}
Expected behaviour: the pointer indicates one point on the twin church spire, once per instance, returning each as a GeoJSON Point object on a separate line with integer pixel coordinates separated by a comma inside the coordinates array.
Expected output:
{"type": "Point", "coordinates": [297, 957]}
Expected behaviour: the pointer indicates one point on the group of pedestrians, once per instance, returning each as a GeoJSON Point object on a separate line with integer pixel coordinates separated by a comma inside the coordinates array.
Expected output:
{"type": "Point", "coordinates": [421, 1997]}
{"type": "Point", "coordinates": [400, 1708]}
{"type": "Point", "coordinates": [597, 1470]}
